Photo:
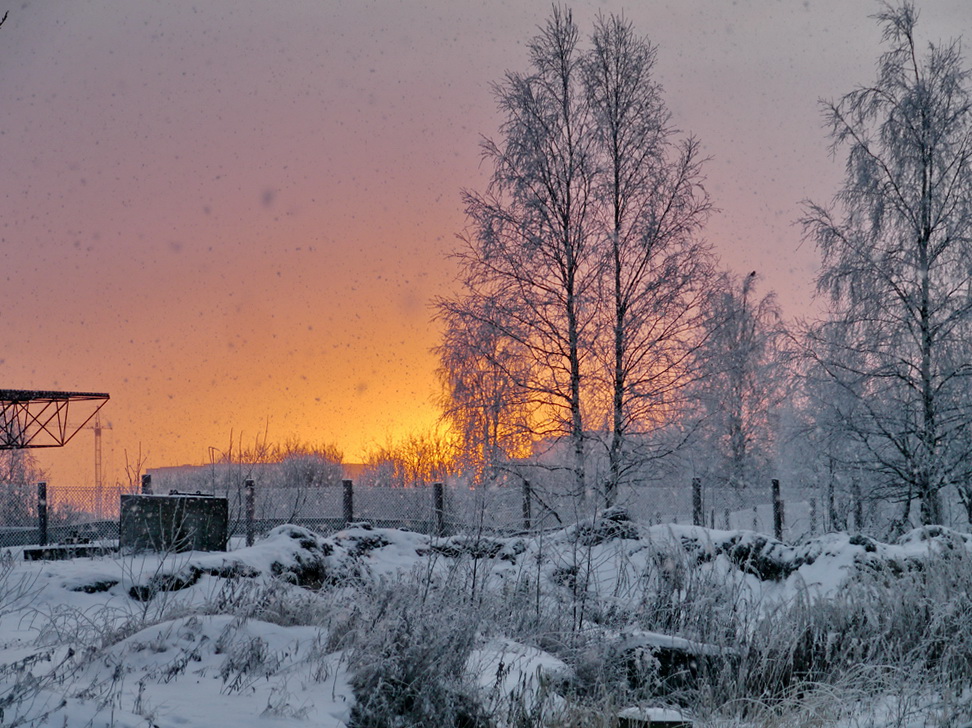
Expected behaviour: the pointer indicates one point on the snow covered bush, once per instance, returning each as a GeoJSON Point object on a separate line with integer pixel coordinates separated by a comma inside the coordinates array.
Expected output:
{"type": "Point", "coordinates": [909, 612]}
{"type": "Point", "coordinates": [408, 648]}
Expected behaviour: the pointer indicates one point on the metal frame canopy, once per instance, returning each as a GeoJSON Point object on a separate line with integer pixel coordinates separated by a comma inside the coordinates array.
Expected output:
{"type": "Point", "coordinates": [31, 418]}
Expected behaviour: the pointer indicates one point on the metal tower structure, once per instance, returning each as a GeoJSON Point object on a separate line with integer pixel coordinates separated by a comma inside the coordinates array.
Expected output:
{"type": "Point", "coordinates": [98, 470]}
{"type": "Point", "coordinates": [41, 418]}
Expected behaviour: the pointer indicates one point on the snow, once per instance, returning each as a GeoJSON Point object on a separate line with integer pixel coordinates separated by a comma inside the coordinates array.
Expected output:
{"type": "Point", "coordinates": [661, 715]}
{"type": "Point", "coordinates": [506, 672]}
{"type": "Point", "coordinates": [176, 640]}
{"type": "Point", "coordinates": [641, 638]}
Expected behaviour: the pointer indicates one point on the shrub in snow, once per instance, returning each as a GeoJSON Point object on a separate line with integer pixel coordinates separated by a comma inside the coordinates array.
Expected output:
{"type": "Point", "coordinates": [943, 537]}
{"type": "Point", "coordinates": [408, 645]}
{"type": "Point", "coordinates": [479, 547]}
{"type": "Point", "coordinates": [164, 583]}
{"type": "Point", "coordinates": [307, 565]}
{"type": "Point", "coordinates": [612, 523]}
{"type": "Point", "coordinates": [248, 658]}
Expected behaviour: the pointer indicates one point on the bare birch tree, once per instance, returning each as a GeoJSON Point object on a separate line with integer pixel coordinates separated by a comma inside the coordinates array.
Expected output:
{"type": "Point", "coordinates": [528, 252]}
{"type": "Point", "coordinates": [742, 384]}
{"type": "Point", "coordinates": [897, 263]}
{"type": "Point", "coordinates": [650, 207]}
{"type": "Point", "coordinates": [585, 252]}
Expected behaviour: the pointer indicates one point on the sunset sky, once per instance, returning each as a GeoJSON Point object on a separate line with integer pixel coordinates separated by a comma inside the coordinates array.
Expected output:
{"type": "Point", "coordinates": [231, 215]}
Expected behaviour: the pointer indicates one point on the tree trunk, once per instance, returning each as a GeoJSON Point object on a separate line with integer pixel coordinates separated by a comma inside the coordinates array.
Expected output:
{"type": "Point", "coordinates": [617, 404]}
{"type": "Point", "coordinates": [931, 511]}
{"type": "Point", "coordinates": [576, 421]}
{"type": "Point", "coordinates": [931, 508]}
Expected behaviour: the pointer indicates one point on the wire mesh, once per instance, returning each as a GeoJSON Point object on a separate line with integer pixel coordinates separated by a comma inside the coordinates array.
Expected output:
{"type": "Point", "coordinates": [79, 514]}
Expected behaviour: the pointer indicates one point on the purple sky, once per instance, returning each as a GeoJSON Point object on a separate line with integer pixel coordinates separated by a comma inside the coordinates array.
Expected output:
{"type": "Point", "coordinates": [231, 214]}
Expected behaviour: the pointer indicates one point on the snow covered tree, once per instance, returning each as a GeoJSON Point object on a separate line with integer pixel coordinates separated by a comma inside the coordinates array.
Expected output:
{"type": "Point", "coordinates": [528, 258]}
{"type": "Point", "coordinates": [742, 383]}
{"type": "Point", "coordinates": [417, 459]}
{"type": "Point", "coordinates": [897, 265]}
{"type": "Point", "coordinates": [649, 208]}
{"type": "Point", "coordinates": [584, 253]}
{"type": "Point", "coordinates": [832, 455]}
{"type": "Point", "coordinates": [19, 475]}
{"type": "Point", "coordinates": [306, 465]}
{"type": "Point", "coordinates": [483, 374]}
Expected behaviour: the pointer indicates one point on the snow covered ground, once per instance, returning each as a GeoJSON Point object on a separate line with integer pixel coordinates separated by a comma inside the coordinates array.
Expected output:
{"type": "Point", "coordinates": [300, 628]}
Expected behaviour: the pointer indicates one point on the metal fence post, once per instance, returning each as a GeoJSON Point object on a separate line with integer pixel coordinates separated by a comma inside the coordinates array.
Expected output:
{"type": "Point", "coordinates": [777, 511]}
{"type": "Point", "coordinates": [250, 510]}
{"type": "Point", "coordinates": [42, 513]}
{"type": "Point", "coordinates": [348, 501]}
{"type": "Point", "coordinates": [698, 518]}
{"type": "Point", "coordinates": [438, 507]}
{"type": "Point", "coordinates": [146, 484]}
{"type": "Point", "coordinates": [527, 496]}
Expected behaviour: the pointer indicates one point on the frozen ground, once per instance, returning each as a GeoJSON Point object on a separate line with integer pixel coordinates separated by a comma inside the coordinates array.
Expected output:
{"type": "Point", "coordinates": [297, 629]}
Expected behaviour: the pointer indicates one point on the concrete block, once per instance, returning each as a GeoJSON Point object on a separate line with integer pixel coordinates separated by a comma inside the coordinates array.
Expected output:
{"type": "Point", "coordinates": [173, 522]}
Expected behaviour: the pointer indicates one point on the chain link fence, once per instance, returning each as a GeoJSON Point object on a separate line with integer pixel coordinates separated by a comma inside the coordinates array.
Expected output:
{"type": "Point", "coordinates": [74, 514]}
{"type": "Point", "coordinates": [78, 515]}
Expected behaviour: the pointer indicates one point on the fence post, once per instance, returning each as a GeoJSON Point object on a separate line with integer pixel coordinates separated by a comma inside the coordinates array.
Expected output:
{"type": "Point", "coordinates": [250, 510]}
{"type": "Point", "coordinates": [146, 484]}
{"type": "Point", "coordinates": [42, 513]}
{"type": "Point", "coordinates": [527, 497]}
{"type": "Point", "coordinates": [755, 518]}
{"type": "Point", "coordinates": [438, 506]}
{"type": "Point", "coordinates": [813, 516]}
{"type": "Point", "coordinates": [348, 509]}
{"type": "Point", "coordinates": [698, 517]}
{"type": "Point", "coordinates": [777, 511]}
